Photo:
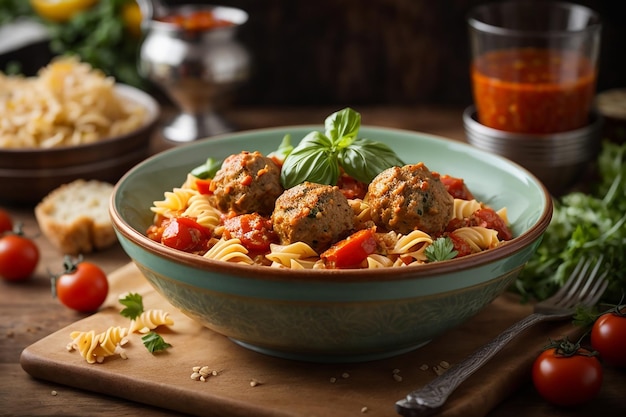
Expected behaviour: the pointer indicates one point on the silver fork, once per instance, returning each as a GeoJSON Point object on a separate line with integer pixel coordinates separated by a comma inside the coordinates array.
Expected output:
{"type": "Point", "coordinates": [583, 288]}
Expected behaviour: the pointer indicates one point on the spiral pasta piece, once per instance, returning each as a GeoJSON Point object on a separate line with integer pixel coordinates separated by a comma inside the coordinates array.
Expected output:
{"type": "Point", "coordinates": [109, 341]}
{"type": "Point", "coordinates": [362, 212]}
{"type": "Point", "coordinates": [200, 208]}
{"type": "Point", "coordinates": [285, 255]}
{"type": "Point", "coordinates": [149, 320]}
{"type": "Point", "coordinates": [175, 202]}
{"type": "Point", "coordinates": [229, 250]}
{"type": "Point", "coordinates": [95, 347]}
{"type": "Point", "coordinates": [405, 243]}
{"type": "Point", "coordinates": [465, 208]}
{"type": "Point", "coordinates": [378, 261]}
{"type": "Point", "coordinates": [85, 343]}
{"type": "Point", "coordinates": [478, 238]}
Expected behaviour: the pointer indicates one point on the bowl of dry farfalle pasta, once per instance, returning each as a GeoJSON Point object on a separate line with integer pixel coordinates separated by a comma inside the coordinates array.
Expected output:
{"type": "Point", "coordinates": [70, 121]}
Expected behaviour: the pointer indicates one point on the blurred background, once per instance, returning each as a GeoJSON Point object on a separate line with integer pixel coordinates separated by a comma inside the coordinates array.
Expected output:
{"type": "Point", "coordinates": [327, 52]}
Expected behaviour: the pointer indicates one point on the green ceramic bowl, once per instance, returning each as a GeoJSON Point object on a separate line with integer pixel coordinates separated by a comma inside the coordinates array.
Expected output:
{"type": "Point", "coordinates": [333, 315]}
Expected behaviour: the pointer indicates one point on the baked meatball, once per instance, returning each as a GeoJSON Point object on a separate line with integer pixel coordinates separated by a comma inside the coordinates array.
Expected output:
{"type": "Point", "coordinates": [407, 198]}
{"type": "Point", "coordinates": [316, 214]}
{"type": "Point", "coordinates": [247, 182]}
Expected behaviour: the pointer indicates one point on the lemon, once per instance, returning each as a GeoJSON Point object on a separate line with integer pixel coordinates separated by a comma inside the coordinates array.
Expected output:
{"type": "Point", "coordinates": [60, 10]}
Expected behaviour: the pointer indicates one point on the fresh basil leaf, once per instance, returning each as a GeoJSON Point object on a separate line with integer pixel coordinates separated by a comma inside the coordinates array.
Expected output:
{"type": "Point", "coordinates": [342, 127]}
{"type": "Point", "coordinates": [284, 149]}
{"type": "Point", "coordinates": [207, 170]}
{"type": "Point", "coordinates": [364, 159]}
{"type": "Point", "coordinates": [312, 160]}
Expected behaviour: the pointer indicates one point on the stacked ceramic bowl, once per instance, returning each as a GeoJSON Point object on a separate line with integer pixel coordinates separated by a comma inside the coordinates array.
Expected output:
{"type": "Point", "coordinates": [559, 160]}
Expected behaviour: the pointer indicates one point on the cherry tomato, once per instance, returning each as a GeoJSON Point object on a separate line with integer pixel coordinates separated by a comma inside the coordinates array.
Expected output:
{"type": "Point", "coordinates": [184, 233]}
{"type": "Point", "coordinates": [6, 223]}
{"type": "Point", "coordinates": [83, 286]}
{"type": "Point", "coordinates": [19, 257]}
{"type": "Point", "coordinates": [567, 375]}
{"type": "Point", "coordinates": [608, 337]}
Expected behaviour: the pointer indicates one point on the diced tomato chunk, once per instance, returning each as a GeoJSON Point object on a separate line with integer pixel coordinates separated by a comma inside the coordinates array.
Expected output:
{"type": "Point", "coordinates": [487, 217]}
{"type": "Point", "coordinates": [352, 251]}
{"type": "Point", "coordinates": [253, 230]}
{"type": "Point", "coordinates": [351, 188]}
{"type": "Point", "coordinates": [456, 187]}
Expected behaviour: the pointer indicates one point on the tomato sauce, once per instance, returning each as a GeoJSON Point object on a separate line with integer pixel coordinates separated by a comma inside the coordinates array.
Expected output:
{"type": "Point", "coordinates": [532, 90]}
{"type": "Point", "coordinates": [199, 20]}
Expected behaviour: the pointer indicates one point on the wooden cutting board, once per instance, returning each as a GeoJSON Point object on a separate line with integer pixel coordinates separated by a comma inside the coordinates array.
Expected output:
{"type": "Point", "coordinates": [282, 388]}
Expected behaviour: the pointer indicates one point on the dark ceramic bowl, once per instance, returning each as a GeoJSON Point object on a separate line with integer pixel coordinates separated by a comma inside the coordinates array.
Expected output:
{"type": "Point", "coordinates": [28, 175]}
{"type": "Point", "coordinates": [333, 315]}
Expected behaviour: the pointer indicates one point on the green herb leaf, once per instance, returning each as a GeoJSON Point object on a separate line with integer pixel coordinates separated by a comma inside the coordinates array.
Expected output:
{"type": "Point", "coordinates": [364, 159]}
{"type": "Point", "coordinates": [284, 149]}
{"type": "Point", "coordinates": [441, 249]}
{"type": "Point", "coordinates": [343, 126]}
{"type": "Point", "coordinates": [312, 160]}
{"type": "Point", "coordinates": [319, 157]}
{"type": "Point", "coordinates": [134, 305]}
{"type": "Point", "coordinates": [154, 342]}
{"type": "Point", "coordinates": [207, 170]}
{"type": "Point", "coordinates": [584, 225]}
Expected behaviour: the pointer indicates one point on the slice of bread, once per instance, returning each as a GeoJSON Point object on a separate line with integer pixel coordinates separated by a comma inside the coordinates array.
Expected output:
{"type": "Point", "coordinates": [75, 217]}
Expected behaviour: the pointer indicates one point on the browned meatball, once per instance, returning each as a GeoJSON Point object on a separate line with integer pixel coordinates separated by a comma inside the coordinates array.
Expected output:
{"type": "Point", "coordinates": [318, 215]}
{"type": "Point", "coordinates": [411, 197]}
{"type": "Point", "coordinates": [247, 182]}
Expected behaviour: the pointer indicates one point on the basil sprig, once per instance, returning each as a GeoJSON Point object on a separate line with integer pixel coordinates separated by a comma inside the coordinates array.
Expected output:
{"type": "Point", "coordinates": [319, 156]}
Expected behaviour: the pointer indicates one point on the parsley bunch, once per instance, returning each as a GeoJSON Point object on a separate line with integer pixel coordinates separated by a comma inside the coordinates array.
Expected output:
{"type": "Point", "coordinates": [584, 225]}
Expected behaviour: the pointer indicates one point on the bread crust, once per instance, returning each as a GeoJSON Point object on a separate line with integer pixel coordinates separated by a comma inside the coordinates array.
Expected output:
{"type": "Point", "coordinates": [75, 217]}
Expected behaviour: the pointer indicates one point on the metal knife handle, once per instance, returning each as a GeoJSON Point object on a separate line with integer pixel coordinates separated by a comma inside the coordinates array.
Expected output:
{"type": "Point", "coordinates": [427, 400]}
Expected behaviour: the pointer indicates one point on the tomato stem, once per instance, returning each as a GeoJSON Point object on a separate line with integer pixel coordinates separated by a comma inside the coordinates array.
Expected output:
{"type": "Point", "coordinates": [566, 348]}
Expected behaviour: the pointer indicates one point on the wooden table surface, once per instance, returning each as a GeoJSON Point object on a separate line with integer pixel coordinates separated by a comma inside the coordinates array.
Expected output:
{"type": "Point", "coordinates": [30, 313]}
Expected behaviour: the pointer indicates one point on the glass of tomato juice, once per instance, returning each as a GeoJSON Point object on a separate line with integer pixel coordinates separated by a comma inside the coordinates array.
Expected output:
{"type": "Point", "coordinates": [534, 65]}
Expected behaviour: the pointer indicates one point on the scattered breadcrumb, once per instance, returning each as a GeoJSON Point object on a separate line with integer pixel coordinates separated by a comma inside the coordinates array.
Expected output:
{"type": "Point", "coordinates": [345, 375]}
{"type": "Point", "coordinates": [438, 370]}
{"type": "Point", "coordinates": [364, 410]}
{"type": "Point", "coordinates": [53, 393]}
{"type": "Point", "coordinates": [254, 383]}
{"type": "Point", "coordinates": [202, 373]}
{"type": "Point", "coordinates": [333, 379]}
{"type": "Point", "coordinates": [396, 375]}
{"type": "Point", "coordinates": [424, 367]}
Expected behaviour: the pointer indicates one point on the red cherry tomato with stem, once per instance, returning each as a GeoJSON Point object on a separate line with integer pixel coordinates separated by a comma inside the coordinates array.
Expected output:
{"type": "Point", "coordinates": [19, 256]}
{"type": "Point", "coordinates": [567, 375]}
{"type": "Point", "coordinates": [608, 336]}
{"type": "Point", "coordinates": [83, 286]}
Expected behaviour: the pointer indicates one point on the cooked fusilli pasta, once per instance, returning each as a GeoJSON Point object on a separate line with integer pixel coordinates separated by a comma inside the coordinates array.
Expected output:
{"type": "Point", "coordinates": [95, 347]}
{"type": "Point", "coordinates": [229, 250]}
{"type": "Point", "coordinates": [150, 320]}
{"type": "Point", "coordinates": [479, 238]}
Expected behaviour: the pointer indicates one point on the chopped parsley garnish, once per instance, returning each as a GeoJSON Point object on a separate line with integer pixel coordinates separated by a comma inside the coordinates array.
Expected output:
{"type": "Point", "coordinates": [154, 342]}
{"type": "Point", "coordinates": [134, 305]}
{"type": "Point", "coordinates": [441, 249]}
